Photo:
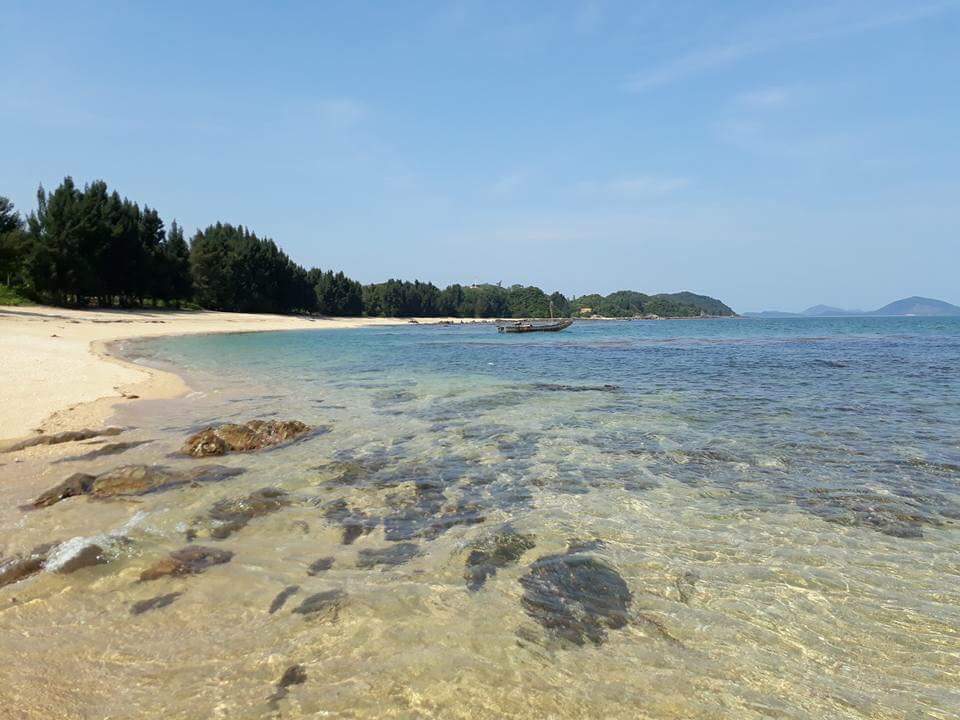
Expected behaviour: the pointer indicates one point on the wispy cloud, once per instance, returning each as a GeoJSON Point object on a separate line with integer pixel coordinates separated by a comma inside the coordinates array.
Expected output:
{"type": "Point", "coordinates": [764, 35]}
{"type": "Point", "coordinates": [341, 112]}
{"type": "Point", "coordinates": [771, 98]}
{"type": "Point", "coordinates": [638, 186]}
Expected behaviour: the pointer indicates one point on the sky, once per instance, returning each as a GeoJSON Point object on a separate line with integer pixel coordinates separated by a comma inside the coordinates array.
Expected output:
{"type": "Point", "coordinates": [774, 155]}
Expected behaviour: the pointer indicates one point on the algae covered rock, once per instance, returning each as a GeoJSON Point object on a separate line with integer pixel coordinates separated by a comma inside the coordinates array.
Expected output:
{"type": "Point", "coordinates": [232, 514]}
{"type": "Point", "coordinates": [246, 437]}
{"type": "Point", "coordinates": [576, 595]}
{"type": "Point", "coordinates": [130, 480]}
{"type": "Point", "coordinates": [191, 560]}
{"type": "Point", "coordinates": [492, 553]}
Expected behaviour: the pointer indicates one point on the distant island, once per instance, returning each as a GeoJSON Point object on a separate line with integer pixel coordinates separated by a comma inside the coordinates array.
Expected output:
{"type": "Point", "coordinates": [91, 247]}
{"type": "Point", "coordinates": [914, 306]}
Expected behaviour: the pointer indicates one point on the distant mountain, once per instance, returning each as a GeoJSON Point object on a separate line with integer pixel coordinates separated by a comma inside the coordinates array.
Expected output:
{"type": "Point", "coordinates": [828, 311]}
{"type": "Point", "coordinates": [927, 307]}
{"type": "Point", "coordinates": [919, 306]}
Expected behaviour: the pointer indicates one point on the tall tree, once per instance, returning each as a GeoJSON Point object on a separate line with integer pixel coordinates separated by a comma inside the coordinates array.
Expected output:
{"type": "Point", "coordinates": [12, 242]}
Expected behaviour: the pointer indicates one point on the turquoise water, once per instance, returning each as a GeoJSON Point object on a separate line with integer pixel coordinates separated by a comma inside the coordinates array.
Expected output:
{"type": "Point", "coordinates": [673, 519]}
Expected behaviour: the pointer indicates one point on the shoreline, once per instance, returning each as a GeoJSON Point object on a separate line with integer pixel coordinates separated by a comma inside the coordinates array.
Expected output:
{"type": "Point", "coordinates": [61, 372]}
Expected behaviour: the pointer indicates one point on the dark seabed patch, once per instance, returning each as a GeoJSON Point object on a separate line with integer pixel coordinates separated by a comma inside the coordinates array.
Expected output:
{"type": "Point", "coordinates": [324, 605]}
{"type": "Point", "coordinates": [154, 603]}
{"type": "Point", "coordinates": [354, 523]}
{"type": "Point", "coordinates": [280, 600]}
{"type": "Point", "coordinates": [105, 450]}
{"type": "Point", "coordinates": [493, 553]}
{"type": "Point", "coordinates": [576, 596]}
{"type": "Point", "coordinates": [191, 560]}
{"type": "Point", "coordinates": [230, 515]}
{"type": "Point", "coordinates": [293, 675]}
{"type": "Point", "coordinates": [131, 480]}
{"type": "Point", "coordinates": [394, 555]}
{"type": "Point", "coordinates": [320, 566]}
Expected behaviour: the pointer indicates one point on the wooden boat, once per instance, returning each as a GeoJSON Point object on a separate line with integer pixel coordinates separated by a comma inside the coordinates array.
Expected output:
{"type": "Point", "coordinates": [523, 326]}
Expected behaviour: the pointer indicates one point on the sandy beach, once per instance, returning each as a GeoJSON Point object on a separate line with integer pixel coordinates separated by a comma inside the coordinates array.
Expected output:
{"type": "Point", "coordinates": [57, 374]}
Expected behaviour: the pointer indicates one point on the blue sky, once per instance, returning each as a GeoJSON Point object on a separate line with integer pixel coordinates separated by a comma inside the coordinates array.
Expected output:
{"type": "Point", "coordinates": [775, 155]}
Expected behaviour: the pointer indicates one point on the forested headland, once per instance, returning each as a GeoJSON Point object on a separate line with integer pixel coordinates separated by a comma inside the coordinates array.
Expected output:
{"type": "Point", "coordinates": [90, 247]}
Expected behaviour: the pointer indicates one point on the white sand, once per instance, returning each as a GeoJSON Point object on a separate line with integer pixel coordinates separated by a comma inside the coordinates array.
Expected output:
{"type": "Point", "coordinates": [55, 374]}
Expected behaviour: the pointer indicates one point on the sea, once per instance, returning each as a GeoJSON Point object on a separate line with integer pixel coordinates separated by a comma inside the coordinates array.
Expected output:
{"type": "Point", "coordinates": [726, 518]}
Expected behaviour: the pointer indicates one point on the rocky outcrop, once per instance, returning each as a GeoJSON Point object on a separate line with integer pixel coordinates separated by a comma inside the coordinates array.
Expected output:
{"type": "Point", "coordinates": [250, 436]}
{"type": "Point", "coordinates": [191, 560]}
{"type": "Point", "coordinates": [130, 480]}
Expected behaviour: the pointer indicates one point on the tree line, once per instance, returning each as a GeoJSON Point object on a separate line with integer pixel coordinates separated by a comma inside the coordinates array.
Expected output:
{"type": "Point", "coordinates": [91, 247]}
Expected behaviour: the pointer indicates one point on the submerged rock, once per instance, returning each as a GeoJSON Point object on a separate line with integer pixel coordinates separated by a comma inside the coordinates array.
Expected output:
{"type": "Point", "coordinates": [131, 480]}
{"type": "Point", "coordinates": [319, 566]}
{"type": "Point", "coordinates": [426, 514]}
{"type": "Point", "coordinates": [250, 436]}
{"type": "Point", "coordinates": [154, 603]}
{"type": "Point", "coordinates": [281, 599]}
{"type": "Point", "coordinates": [57, 438]}
{"type": "Point", "coordinates": [108, 449]}
{"type": "Point", "coordinates": [230, 515]}
{"type": "Point", "coordinates": [293, 675]}
{"type": "Point", "coordinates": [554, 387]}
{"type": "Point", "coordinates": [322, 605]}
{"type": "Point", "coordinates": [18, 567]}
{"type": "Point", "coordinates": [191, 560]}
{"type": "Point", "coordinates": [893, 515]}
{"type": "Point", "coordinates": [353, 522]}
{"type": "Point", "coordinates": [576, 596]}
{"type": "Point", "coordinates": [73, 560]}
{"type": "Point", "coordinates": [395, 555]}
{"type": "Point", "coordinates": [492, 553]}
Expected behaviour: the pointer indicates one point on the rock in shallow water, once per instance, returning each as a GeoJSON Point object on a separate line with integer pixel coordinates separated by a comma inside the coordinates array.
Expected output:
{"type": "Point", "coordinates": [319, 566]}
{"type": "Point", "coordinates": [396, 555]}
{"type": "Point", "coordinates": [250, 436]}
{"type": "Point", "coordinates": [191, 560]}
{"type": "Point", "coordinates": [280, 600]}
{"type": "Point", "coordinates": [57, 438]}
{"type": "Point", "coordinates": [131, 480]}
{"type": "Point", "coordinates": [229, 515]}
{"type": "Point", "coordinates": [18, 567]}
{"type": "Point", "coordinates": [492, 553]}
{"type": "Point", "coordinates": [322, 605]}
{"type": "Point", "coordinates": [576, 596]}
{"type": "Point", "coordinates": [154, 603]}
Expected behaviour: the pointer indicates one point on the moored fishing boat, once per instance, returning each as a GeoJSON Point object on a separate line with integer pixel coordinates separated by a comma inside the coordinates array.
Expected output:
{"type": "Point", "coordinates": [523, 326]}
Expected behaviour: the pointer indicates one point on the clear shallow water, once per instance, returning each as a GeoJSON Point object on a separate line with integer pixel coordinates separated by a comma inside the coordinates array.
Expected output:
{"type": "Point", "coordinates": [770, 511]}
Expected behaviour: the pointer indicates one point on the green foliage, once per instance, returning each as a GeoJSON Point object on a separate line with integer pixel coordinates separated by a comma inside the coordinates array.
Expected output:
{"type": "Point", "coordinates": [90, 246]}
{"type": "Point", "coordinates": [12, 242]}
{"type": "Point", "coordinates": [337, 294]}
{"type": "Point", "coordinates": [233, 269]}
{"type": "Point", "coordinates": [627, 303]}
{"type": "Point", "coordinates": [13, 296]}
